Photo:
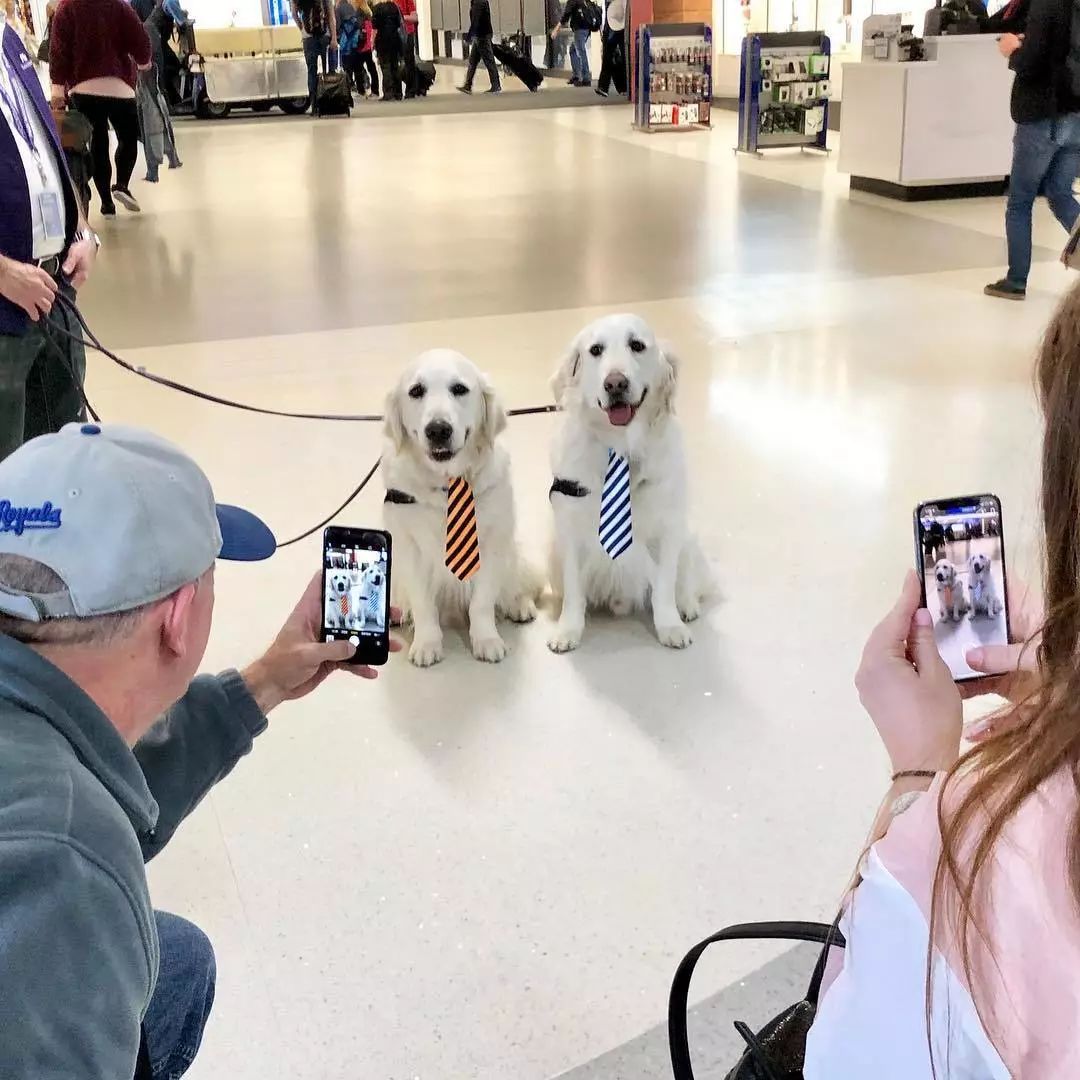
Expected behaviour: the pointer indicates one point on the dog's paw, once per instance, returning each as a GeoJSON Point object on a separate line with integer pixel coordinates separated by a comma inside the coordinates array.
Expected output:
{"type": "Point", "coordinates": [565, 639]}
{"type": "Point", "coordinates": [690, 608]}
{"type": "Point", "coordinates": [426, 652]}
{"type": "Point", "coordinates": [677, 636]}
{"type": "Point", "coordinates": [522, 610]}
{"type": "Point", "coordinates": [489, 649]}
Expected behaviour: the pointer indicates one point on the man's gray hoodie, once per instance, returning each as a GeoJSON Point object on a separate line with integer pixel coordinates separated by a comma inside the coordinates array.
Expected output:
{"type": "Point", "coordinates": [80, 812]}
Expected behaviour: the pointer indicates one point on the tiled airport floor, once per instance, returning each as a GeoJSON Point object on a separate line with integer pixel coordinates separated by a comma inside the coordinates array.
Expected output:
{"type": "Point", "coordinates": [491, 872]}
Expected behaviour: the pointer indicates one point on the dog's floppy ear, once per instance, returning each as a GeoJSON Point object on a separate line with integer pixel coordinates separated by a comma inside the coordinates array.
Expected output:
{"type": "Point", "coordinates": [567, 373]}
{"type": "Point", "coordinates": [393, 422]}
{"type": "Point", "coordinates": [492, 414]}
{"type": "Point", "coordinates": [669, 378]}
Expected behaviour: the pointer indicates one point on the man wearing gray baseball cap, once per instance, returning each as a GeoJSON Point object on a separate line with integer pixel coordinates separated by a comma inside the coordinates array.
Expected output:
{"type": "Point", "coordinates": [108, 539]}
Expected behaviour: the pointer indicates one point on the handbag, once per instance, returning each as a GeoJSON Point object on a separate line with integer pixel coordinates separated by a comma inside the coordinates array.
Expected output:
{"type": "Point", "coordinates": [778, 1050]}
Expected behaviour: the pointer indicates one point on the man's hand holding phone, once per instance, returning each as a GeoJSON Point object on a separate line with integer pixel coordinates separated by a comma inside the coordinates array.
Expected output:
{"type": "Point", "coordinates": [298, 660]}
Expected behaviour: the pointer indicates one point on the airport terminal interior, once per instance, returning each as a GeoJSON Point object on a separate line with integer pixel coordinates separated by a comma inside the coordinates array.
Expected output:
{"type": "Point", "coordinates": [491, 871]}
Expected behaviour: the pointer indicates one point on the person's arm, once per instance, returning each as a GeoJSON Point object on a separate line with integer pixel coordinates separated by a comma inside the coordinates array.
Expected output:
{"type": "Point", "coordinates": [60, 58]}
{"type": "Point", "coordinates": [203, 736]}
{"type": "Point", "coordinates": [1032, 55]}
{"type": "Point", "coordinates": [76, 971]}
{"type": "Point", "coordinates": [331, 23]}
{"type": "Point", "coordinates": [908, 691]}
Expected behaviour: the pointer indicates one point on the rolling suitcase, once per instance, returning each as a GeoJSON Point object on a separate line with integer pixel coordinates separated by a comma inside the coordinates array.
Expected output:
{"type": "Point", "coordinates": [332, 95]}
{"type": "Point", "coordinates": [518, 65]}
{"type": "Point", "coordinates": [425, 77]}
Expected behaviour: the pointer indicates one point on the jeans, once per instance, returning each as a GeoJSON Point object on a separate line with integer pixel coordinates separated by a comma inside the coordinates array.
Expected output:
{"type": "Point", "coordinates": [481, 50]}
{"type": "Point", "coordinates": [614, 64]}
{"type": "Point", "coordinates": [124, 117]}
{"type": "Point", "coordinates": [579, 56]}
{"type": "Point", "coordinates": [410, 66]}
{"type": "Point", "coordinates": [317, 49]}
{"type": "Point", "coordinates": [1046, 161]}
{"type": "Point", "coordinates": [38, 393]}
{"type": "Point", "coordinates": [182, 999]}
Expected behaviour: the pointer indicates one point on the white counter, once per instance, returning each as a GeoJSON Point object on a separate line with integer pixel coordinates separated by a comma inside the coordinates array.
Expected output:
{"type": "Point", "coordinates": [934, 123]}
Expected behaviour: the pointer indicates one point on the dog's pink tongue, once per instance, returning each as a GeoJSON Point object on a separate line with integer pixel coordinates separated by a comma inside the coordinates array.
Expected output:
{"type": "Point", "coordinates": [620, 415]}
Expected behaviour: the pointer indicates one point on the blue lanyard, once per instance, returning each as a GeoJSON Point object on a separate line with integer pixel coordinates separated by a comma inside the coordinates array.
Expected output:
{"type": "Point", "coordinates": [14, 102]}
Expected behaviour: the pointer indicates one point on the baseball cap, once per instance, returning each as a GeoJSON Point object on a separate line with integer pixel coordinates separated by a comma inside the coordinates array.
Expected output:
{"type": "Point", "coordinates": [123, 516]}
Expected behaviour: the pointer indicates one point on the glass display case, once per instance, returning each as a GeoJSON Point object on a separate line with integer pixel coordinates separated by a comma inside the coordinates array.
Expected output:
{"type": "Point", "coordinates": [841, 19]}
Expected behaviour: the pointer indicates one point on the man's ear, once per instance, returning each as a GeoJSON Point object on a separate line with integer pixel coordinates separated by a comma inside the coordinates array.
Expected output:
{"type": "Point", "coordinates": [393, 421]}
{"type": "Point", "coordinates": [492, 413]}
{"type": "Point", "coordinates": [176, 620]}
{"type": "Point", "coordinates": [567, 374]}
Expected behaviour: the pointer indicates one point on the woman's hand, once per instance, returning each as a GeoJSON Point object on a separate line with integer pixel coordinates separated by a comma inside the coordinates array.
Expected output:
{"type": "Point", "coordinates": [908, 689]}
{"type": "Point", "coordinates": [1014, 668]}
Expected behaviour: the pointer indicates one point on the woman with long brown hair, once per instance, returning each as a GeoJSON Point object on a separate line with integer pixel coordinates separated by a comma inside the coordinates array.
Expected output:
{"type": "Point", "coordinates": [963, 956]}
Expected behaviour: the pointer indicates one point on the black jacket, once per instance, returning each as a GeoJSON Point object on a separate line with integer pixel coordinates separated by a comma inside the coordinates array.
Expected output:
{"type": "Point", "coordinates": [389, 28]}
{"type": "Point", "coordinates": [1011, 19]}
{"type": "Point", "coordinates": [1042, 89]}
{"type": "Point", "coordinates": [575, 16]}
{"type": "Point", "coordinates": [480, 20]}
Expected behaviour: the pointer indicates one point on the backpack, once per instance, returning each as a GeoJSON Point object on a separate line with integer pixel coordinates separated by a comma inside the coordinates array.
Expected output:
{"type": "Point", "coordinates": [594, 17]}
{"type": "Point", "coordinates": [348, 37]}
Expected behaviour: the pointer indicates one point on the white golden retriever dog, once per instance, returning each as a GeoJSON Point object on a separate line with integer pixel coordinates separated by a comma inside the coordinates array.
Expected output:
{"type": "Point", "coordinates": [442, 420]}
{"type": "Point", "coordinates": [952, 600]}
{"type": "Point", "coordinates": [616, 388]}
{"type": "Point", "coordinates": [984, 593]}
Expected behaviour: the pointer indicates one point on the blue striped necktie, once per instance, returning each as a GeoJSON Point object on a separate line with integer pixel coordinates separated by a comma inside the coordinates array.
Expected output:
{"type": "Point", "coordinates": [616, 525]}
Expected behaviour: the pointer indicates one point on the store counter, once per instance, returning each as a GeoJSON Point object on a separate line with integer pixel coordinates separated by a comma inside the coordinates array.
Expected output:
{"type": "Point", "coordinates": [932, 129]}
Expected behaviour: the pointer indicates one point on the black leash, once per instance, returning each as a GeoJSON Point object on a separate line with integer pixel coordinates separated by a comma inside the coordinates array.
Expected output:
{"type": "Point", "coordinates": [90, 341]}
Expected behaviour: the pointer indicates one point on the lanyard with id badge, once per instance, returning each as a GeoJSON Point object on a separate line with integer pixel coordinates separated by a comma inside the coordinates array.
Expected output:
{"type": "Point", "coordinates": [48, 207]}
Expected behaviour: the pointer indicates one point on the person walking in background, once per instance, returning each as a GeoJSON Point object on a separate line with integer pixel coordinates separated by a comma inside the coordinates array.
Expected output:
{"type": "Point", "coordinates": [94, 50]}
{"type": "Point", "coordinates": [555, 54]}
{"type": "Point", "coordinates": [46, 248]}
{"type": "Point", "coordinates": [613, 64]}
{"type": "Point", "coordinates": [318, 29]}
{"type": "Point", "coordinates": [367, 47]}
{"type": "Point", "coordinates": [576, 16]}
{"type": "Point", "coordinates": [390, 45]}
{"type": "Point", "coordinates": [480, 34]}
{"type": "Point", "coordinates": [1046, 146]}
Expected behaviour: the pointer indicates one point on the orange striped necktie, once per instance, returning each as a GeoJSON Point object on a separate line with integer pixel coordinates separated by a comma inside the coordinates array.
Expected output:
{"type": "Point", "coordinates": [462, 541]}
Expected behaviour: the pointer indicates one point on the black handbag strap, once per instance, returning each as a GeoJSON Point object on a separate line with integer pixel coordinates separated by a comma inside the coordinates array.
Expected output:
{"type": "Point", "coordinates": [822, 934]}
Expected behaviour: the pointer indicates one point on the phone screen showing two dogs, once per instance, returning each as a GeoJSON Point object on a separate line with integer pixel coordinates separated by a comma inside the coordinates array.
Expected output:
{"type": "Point", "coordinates": [961, 556]}
{"type": "Point", "coordinates": [356, 591]}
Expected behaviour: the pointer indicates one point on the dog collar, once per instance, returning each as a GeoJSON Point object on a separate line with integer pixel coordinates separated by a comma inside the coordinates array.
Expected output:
{"type": "Point", "coordinates": [402, 498]}
{"type": "Point", "coordinates": [567, 487]}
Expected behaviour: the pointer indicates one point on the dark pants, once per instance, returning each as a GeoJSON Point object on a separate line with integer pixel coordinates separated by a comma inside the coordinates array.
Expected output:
{"type": "Point", "coordinates": [124, 117]}
{"type": "Point", "coordinates": [391, 64]}
{"type": "Point", "coordinates": [481, 50]}
{"type": "Point", "coordinates": [612, 60]}
{"type": "Point", "coordinates": [367, 59]}
{"type": "Point", "coordinates": [316, 51]}
{"type": "Point", "coordinates": [1046, 161]}
{"type": "Point", "coordinates": [38, 393]}
{"type": "Point", "coordinates": [182, 999]}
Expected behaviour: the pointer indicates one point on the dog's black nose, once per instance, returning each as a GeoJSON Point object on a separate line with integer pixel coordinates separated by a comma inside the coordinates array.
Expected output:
{"type": "Point", "coordinates": [439, 432]}
{"type": "Point", "coordinates": [617, 384]}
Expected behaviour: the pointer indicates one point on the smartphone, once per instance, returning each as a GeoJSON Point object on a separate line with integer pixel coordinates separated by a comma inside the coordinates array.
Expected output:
{"type": "Point", "coordinates": [960, 555]}
{"type": "Point", "coordinates": [356, 591]}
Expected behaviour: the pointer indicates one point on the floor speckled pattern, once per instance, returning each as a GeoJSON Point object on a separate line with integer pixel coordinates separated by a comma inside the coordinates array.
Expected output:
{"type": "Point", "coordinates": [477, 872]}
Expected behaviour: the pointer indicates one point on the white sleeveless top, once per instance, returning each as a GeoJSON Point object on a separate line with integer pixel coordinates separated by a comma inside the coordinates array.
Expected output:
{"type": "Point", "coordinates": [872, 1019]}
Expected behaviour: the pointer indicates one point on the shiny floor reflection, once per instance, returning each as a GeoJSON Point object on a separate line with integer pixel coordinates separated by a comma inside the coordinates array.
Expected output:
{"type": "Point", "coordinates": [491, 871]}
